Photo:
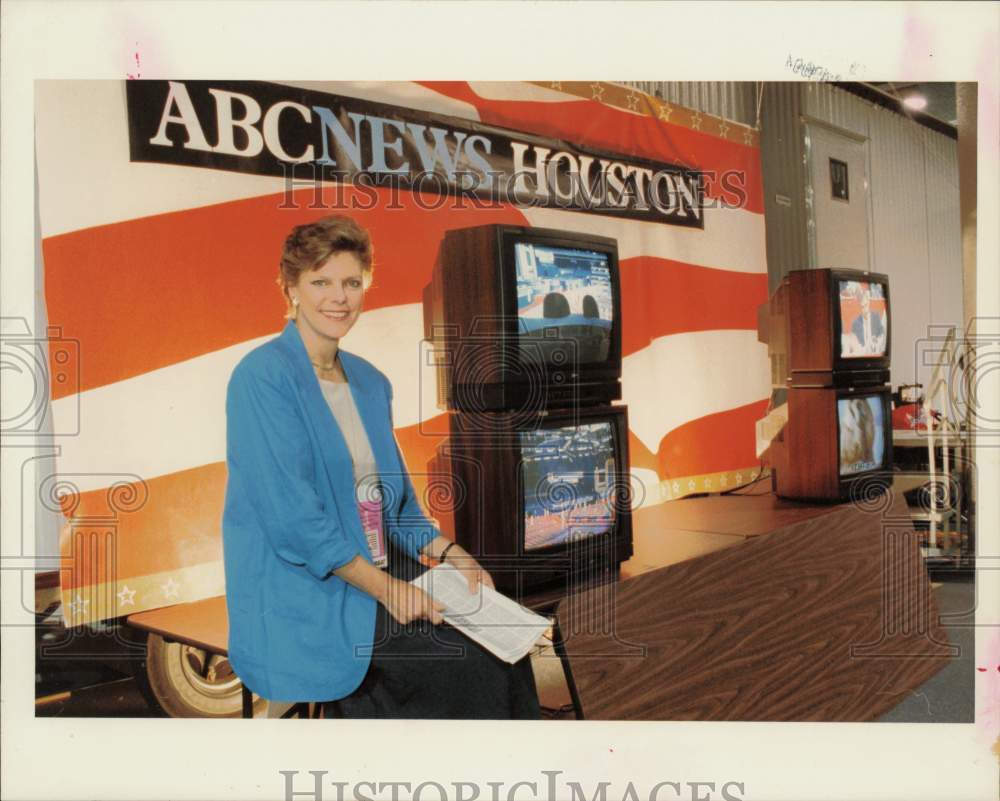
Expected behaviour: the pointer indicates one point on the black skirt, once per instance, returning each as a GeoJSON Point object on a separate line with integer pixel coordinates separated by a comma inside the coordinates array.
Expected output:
{"type": "Point", "coordinates": [425, 671]}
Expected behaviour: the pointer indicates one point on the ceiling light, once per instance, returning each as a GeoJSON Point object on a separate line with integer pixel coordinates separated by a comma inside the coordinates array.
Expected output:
{"type": "Point", "coordinates": [915, 102]}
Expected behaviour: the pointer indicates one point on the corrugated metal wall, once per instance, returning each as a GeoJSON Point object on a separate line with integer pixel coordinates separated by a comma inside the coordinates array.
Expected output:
{"type": "Point", "coordinates": [733, 100]}
{"type": "Point", "coordinates": [899, 228]}
{"type": "Point", "coordinates": [782, 157]}
{"type": "Point", "coordinates": [914, 230]}
{"type": "Point", "coordinates": [944, 229]}
{"type": "Point", "coordinates": [837, 107]}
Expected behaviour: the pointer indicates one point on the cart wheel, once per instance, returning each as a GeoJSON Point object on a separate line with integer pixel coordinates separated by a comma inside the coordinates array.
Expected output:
{"type": "Point", "coordinates": [189, 682]}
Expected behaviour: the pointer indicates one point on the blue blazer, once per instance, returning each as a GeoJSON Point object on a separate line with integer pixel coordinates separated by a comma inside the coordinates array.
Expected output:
{"type": "Point", "coordinates": [297, 632]}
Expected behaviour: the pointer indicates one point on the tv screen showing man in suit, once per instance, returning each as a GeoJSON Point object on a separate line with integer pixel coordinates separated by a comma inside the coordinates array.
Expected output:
{"type": "Point", "coordinates": [863, 320]}
{"type": "Point", "coordinates": [568, 476]}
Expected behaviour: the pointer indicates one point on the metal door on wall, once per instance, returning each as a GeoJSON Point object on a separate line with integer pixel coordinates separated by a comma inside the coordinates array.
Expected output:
{"type": "Point", "coordinates": [838, 190]}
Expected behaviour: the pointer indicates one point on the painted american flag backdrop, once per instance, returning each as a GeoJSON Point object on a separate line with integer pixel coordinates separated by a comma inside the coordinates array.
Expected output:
{"type": "Point", "coordinates": [165, 276]}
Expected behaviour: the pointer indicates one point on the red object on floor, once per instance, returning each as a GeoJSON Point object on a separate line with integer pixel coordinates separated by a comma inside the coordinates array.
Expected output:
{"type": "Point", "coordinates": [910, 417]}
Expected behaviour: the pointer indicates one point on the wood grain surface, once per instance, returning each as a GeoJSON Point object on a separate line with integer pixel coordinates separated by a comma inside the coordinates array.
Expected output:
{"type": "Point", "coordinates": [201, 623]}
{"type": "Point", "coordinates": [828, 617]}
{"type": "Point", "coordinates": [811, 439]}
{"type": "Point", "coordinates": [748, 515]}
{"type": "Point", "coordinates": [810, 325]}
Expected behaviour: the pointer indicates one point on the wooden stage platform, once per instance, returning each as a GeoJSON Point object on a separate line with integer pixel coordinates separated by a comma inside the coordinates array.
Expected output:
{"type": "Point", "coordinates": [757, 609]}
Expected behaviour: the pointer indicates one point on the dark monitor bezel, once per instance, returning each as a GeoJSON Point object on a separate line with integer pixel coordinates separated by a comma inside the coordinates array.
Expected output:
{"type": "Point", "coordinates": [885, 393]}
{"type": "Point", "coordinates": [619, 435]}
{"type": "Point", "coordinates": [508, 237]}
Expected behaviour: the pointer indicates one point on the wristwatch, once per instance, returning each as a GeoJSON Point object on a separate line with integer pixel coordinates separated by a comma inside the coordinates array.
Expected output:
{"type": "Point", "coordinates": [444, 553]}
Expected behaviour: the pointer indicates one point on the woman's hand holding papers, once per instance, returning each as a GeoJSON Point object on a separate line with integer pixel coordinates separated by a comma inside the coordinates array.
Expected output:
{"type": "Point", "coordinates": [458, 558]}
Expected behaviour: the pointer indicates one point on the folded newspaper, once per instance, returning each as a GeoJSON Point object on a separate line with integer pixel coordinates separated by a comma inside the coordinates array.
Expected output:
{"type": "Point", "coordinates": [497, 623]}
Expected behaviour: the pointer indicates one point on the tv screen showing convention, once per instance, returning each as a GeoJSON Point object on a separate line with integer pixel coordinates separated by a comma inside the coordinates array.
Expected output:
{"type": "Point", "coordinates": [568, 475]}
{"type": "Point", "coordinates": [864, 322]}
{"type": "Point", "coordinates": [862, 434]}
{"type": "Point", "coordinates": [563, 295]}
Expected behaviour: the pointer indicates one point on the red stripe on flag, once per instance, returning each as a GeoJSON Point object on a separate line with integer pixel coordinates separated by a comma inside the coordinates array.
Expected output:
{"type": "Point", "coordinates": [662, 296]}
{"type": "Point", "coordinates": [418, 444]}
{"type": "Point", "coordinates": [151, 292]}
{"type": "Point", "coordinates": [711, 444]}
{"type": "Point", "coordinates": [166, 523]}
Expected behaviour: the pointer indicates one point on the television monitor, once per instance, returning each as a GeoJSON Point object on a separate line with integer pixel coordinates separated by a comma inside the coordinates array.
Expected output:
{"type": "Point", "coordinates": [837, 443]}
{"type": "Point", "coordinates": [546, 503]}
{"type": "Point", "coordinates": [524, 318]}
{"type": "Point", "coordinates": [828, 328]}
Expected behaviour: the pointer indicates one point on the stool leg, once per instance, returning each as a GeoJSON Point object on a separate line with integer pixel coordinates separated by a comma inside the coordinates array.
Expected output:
{"type": "Point", "coordinates": [299, 710]}
{"type": "Point", "coordinates": [247, 697]}
{"type": "Point", "coordinates": [567, 670]}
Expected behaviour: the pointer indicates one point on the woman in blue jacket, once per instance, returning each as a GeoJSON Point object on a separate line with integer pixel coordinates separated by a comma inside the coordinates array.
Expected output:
{"type": "Point", "coordinates": [319, 504]}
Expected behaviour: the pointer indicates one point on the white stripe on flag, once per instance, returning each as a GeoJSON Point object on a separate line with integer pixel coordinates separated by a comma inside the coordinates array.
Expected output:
{"type": "Point", "coordinates": [646, 488]}
{"type": "Point", "coordinates": [160, 422]}
{"type": "Point", "coordinates": [683, 377]}
{"type": "Point", "coordinates": [733, 239]}
{"type": "Point", "coordinates": [519, 91]}
{"type": "Point", "coordinates": [407, 94]}
{"type": "Point", "coordinates": [173, 418]}
{"type": "Point", "coordinates": [93, 182]}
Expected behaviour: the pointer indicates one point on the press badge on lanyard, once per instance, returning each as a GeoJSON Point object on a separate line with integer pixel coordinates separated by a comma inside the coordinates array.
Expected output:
{"type": "Point", "coordinates": [370, 512]}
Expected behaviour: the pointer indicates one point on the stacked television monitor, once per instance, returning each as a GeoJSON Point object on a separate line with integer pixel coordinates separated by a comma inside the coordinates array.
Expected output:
{"type": "Point", "coordinates": [829, 337]}
{"type": "Point", "coordinates": [526, 328]}
{"type": "Point", "coordinates": [525, 317]}
{"type": "Point", "coordinates": [544, 503]}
